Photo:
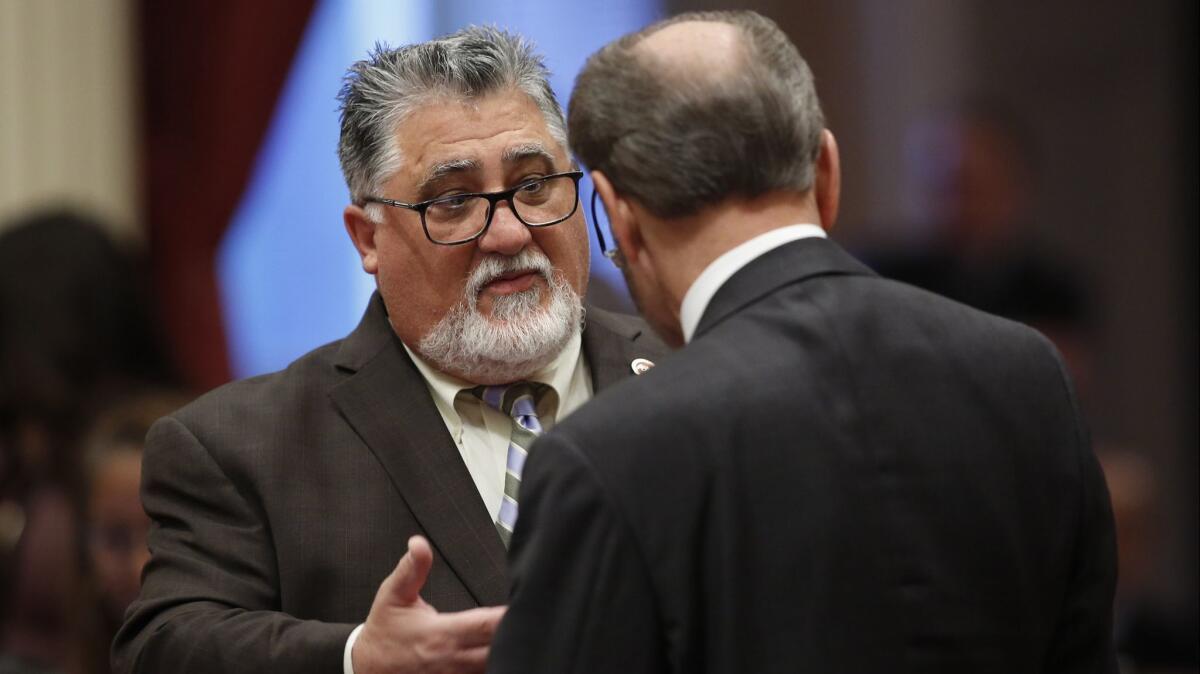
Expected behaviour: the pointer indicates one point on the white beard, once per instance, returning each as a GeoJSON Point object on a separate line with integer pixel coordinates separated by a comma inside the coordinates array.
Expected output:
{"type": "Point", "coordinates": [519, 339]}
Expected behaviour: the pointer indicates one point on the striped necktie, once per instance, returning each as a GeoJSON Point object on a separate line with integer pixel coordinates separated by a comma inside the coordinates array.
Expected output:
{"type": "Point", "coordinates": [518, 401]}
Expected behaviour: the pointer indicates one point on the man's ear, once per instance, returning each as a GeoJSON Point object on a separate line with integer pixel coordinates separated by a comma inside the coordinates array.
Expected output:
{"type": "Point", "coordinates": [828, 183]}
{"type": "Point", "coordinates": [621, 221]}
{"type": "Point", "coordinates": [361, 229]}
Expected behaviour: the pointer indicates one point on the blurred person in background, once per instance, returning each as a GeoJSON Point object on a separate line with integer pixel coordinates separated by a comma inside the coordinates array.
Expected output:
{"type": "Point", "coordinates": [114, 523]}
{"type": "Point", "coordinates": [282, 503]}
{"type": "Point", "coordinates": [1153, 635]}
{"type": "Point", "coordinates": [975, 170]}
{"type": "Point", "coordinates": [75, 330]}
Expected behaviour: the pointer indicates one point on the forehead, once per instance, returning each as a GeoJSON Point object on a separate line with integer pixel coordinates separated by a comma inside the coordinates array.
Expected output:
{"type": "Point", "coordinates": [486, 132]}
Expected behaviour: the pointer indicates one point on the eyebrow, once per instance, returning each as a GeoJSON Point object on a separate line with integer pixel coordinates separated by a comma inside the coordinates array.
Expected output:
{"type": "Point", "coordinates": [442, 169]}
{"type": "Point", "coordinates": [516, 154]}
{"type": "Point", "coordinates": [519, 153]}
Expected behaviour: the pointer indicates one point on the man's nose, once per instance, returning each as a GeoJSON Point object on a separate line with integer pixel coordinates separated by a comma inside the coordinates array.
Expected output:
{"type": "Point", "coordinates": [507, 235]}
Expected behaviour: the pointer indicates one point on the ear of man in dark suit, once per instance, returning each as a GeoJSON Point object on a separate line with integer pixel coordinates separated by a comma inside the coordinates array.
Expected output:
{"type": "Point", "coordinates": [838, 472]}
{"type": "Point", "coordinates": [350, 512]}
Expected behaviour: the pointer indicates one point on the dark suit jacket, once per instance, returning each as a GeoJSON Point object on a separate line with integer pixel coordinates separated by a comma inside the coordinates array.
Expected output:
{"type": "Point", "coordinates": [839, 474]}
{"type": "Point", "coordinates": [281, 502]}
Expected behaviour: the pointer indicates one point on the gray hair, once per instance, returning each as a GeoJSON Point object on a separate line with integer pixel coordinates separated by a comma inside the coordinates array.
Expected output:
{"type": "Point", "coordinates": [676, 141]}
{"type": "Point", "coordinates": [380, 91]}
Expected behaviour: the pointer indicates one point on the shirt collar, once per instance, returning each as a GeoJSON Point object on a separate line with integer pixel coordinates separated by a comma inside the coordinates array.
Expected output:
{"type": "Point", "coordinates": [445, 387]}
{"type": "Point", "coordinates": [701, 292]}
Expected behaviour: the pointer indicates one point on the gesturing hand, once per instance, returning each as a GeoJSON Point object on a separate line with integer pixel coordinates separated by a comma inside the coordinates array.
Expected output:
{"type": "Point", "coordinates": [404, 634]}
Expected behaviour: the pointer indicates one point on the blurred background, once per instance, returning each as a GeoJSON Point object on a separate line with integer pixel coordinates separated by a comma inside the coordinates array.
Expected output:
{"type": "Point", "coordinates": [170, 218]}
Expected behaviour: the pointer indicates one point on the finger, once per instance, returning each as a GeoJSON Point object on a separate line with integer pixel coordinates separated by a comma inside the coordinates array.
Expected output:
{"type": "Point", "coordinates": [473, 627]}
{"type": "Point", "coordinates": [411, 572]}
{"type": "Point", "coordinates": [471, 660]}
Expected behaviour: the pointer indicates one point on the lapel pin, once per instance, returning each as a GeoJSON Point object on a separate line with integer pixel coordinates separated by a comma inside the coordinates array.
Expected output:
{"type": "Point", "coordinates": [640, 365]}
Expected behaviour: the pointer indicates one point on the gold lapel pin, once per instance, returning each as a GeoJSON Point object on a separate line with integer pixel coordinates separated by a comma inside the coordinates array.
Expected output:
{"type": "Point", "coordinates": [640, 365]}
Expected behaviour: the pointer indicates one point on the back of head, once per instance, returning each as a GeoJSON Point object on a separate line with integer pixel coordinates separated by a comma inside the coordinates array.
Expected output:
{"type": "Point", "coordinates": [677, 134]}
{"type": "Point", "coordinates": [380, 91]}
{"type": "Point", "coordinates": [75, 324]}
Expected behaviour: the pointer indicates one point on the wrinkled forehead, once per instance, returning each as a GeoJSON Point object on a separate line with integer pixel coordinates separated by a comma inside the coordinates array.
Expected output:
{"type": "Point", "coordinates": [518, 154]}
{"type": "Point", "coordinates": [498, 132]}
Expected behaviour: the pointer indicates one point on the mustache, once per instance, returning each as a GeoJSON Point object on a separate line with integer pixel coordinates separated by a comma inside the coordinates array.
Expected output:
{"type": "Point", "coordinates": [493, 267]}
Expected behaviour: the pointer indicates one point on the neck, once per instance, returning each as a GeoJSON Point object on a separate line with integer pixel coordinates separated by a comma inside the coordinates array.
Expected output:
{"type": "Point", "coordinates": [686, 246]}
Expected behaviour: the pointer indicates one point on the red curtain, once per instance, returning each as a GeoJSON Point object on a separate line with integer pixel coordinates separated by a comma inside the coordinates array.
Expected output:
{"type": "Point", "coordinates": [211, 73]}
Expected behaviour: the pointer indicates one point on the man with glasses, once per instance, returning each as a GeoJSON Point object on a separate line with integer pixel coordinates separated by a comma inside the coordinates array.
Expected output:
{"type": "Point", "coordinates": [837, 472]}
{"type": "Point", "coordinates": [282, 503]}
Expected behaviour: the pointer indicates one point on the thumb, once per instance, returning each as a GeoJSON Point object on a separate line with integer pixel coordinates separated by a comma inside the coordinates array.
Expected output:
{"type": "Point", "coordinates": [409, 576]}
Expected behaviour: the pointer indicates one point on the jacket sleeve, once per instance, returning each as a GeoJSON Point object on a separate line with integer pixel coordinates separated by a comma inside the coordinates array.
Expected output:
{"type": "Point", "coordinates": [210, 597]}
{"type": "Point", "coordinates": [582, 599]}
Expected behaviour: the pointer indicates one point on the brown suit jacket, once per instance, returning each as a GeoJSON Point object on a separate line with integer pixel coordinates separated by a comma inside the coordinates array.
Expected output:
{"type": "Point", "coordinates": [282, 501]}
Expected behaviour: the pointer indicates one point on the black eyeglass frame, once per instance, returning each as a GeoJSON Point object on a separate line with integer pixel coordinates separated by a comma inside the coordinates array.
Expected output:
{"type": "Point", "coordinates": [493, 198]}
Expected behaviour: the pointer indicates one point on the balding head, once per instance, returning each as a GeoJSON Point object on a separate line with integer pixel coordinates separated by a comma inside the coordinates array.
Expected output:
{"type": "Point", "coordinates": [695, 49]}
{"type": "Point", "coordinates": [697, 109]}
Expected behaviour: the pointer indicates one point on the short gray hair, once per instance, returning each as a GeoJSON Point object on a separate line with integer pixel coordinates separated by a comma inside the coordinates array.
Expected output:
{"type": "Point", "coordinates": [380, 91]}
{"type": "Point", "coordinates": [677, 142]}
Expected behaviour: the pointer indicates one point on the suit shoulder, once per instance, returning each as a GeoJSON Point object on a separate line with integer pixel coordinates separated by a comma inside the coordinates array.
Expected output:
{"type": "Point", "coordinates": [896, 311]}
{"type": "Point", "coordinates": [655, 409]}
{"type": "Point", "coordinates": [283, 392]}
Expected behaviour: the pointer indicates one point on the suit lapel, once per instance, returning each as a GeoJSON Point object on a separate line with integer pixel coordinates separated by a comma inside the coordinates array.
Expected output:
{"type": "Point", "coordinates": [388, 404]}
{"type": "Point", "coordinates": [611, 342]}
{"type": "Point", "coordinates": [790, 263]}
{"type": "Point", "coordinates": [386, 401]}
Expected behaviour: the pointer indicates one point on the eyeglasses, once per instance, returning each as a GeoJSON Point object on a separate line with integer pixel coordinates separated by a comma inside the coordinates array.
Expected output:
{"type": "Point", "coordinates": [461, 218]}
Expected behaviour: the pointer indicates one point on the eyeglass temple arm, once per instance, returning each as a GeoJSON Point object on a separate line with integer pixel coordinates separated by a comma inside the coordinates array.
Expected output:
{"type": "Point", "coordinates": [610, 253]}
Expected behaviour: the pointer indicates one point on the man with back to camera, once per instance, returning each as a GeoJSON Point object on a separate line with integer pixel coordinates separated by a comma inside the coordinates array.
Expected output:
{"type": "Point", "coordinates": [838, 473]}
{"type": "Point", "coordinates": [282, 503]}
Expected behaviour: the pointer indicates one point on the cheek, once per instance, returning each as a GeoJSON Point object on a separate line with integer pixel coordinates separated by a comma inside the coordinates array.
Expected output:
{"type": "Point", "coordinates": [643, 297]}
{"type": "Point", "coordinates": [653, 305]}
{"type": "Point", "coordinates": [566, 245]}
{"type": "Point", "coordinates": [419, 287]}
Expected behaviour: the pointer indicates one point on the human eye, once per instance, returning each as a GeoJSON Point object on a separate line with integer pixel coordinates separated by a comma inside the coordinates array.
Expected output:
{"type": "Point", "coordinates": [451, 201]}
{"type": "Point", "coordinates": [531, 188]}
{"type": "Point", "coordinates": [453, 206]}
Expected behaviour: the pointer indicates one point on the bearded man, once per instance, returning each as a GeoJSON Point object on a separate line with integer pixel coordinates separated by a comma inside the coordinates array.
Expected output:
{"type": "Point", "coordinates": [282, 503]}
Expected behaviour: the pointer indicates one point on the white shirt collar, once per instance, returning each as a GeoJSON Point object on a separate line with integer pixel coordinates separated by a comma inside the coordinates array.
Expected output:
{"type": "Point", "coordinates": [701, 292]}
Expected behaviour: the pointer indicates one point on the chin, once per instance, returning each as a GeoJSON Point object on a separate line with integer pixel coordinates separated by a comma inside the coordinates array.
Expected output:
{"type": "Point", "coordinates": [494, 372]}
{"type": "Point", "coordinates": [520, 334]}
